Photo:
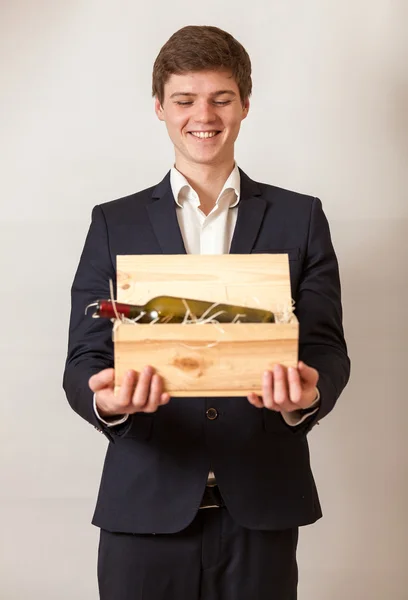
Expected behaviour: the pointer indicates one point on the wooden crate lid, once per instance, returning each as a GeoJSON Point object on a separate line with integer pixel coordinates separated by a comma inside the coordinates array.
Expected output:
{"type": "Point", "coordinates": [243, 279]}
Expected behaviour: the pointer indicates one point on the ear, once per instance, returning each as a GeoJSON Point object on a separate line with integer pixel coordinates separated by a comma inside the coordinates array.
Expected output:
{"type": "Point", "coordinates": [245, 108]}
{"type": "Point", "coordinates": [158, 109]}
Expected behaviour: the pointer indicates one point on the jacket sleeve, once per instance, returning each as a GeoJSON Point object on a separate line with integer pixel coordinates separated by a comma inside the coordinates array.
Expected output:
{"type": "Point", "coordinates": [90, 346]}
{"type": "Point", "coordinates": [319, 311]}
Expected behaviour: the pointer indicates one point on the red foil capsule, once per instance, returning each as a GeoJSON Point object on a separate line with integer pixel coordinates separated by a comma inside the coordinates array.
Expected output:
{"type": "Point", "coordinates": [105, 309]}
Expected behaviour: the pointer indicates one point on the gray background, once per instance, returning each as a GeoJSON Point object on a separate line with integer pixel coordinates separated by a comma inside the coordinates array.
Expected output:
{"type": "Point", "coordinates": [328, 118]}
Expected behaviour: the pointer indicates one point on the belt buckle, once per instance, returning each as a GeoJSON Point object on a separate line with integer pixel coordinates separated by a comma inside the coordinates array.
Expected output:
{"type": "Point", "coordinates": [209, 506]}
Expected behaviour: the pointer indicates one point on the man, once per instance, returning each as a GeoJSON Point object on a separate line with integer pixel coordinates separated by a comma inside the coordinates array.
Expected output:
{"type": "Point", "coordinates": [201, 498]}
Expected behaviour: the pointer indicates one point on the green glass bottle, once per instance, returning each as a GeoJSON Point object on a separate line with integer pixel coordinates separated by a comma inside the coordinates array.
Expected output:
{"type": "Point", "coordinates": [170, 309]}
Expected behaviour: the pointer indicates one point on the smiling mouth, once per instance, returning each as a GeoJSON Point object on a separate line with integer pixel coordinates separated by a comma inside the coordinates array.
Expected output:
{"type": "Point", "coordinates": [204, 135]}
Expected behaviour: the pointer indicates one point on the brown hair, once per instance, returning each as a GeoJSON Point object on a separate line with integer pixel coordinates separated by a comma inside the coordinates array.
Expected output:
{"type": "Point", "coordinates": [201, 48]}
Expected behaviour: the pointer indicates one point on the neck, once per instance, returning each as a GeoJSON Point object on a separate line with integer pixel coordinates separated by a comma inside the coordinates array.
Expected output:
{"type": "Point", "coordinates": [206, 180]}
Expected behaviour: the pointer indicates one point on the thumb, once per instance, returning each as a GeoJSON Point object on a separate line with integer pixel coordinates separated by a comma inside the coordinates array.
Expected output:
{"type": "Point", "coordinates": [102, 380]}
{"type": "Point", "coordinates": [308, 374]}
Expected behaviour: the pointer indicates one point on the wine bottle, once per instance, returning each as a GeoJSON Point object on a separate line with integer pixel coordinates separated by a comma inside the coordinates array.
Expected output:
{"type": "Point", "coordinates": [170, 309]}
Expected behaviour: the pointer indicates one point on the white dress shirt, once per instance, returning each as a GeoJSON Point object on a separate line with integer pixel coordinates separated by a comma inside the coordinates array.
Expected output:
{"type": "Point", "coordinates": [211, 234]}
{"type": "Point", "coordinates": [208, 234]}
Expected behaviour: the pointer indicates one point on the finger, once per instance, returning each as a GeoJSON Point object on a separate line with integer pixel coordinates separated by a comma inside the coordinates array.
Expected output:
{"type": "Point", "coordinates": [142, 390]}
{"type": "Point", "coordinates": [308, 375]}
{"type": "Point", "coordinates": [101, 380]}
{"type": "Point", "coordinates": [255, 400]}
{"type": "Point", "coordinates": [280, 387]}
{"type": "Point", "coordinates": [155, 392]}
{"type": "Point", "coordinates": [164, 398]}
{"type": "Point", "coordinates": [268, 384]}
{"type": "Point", "coordinates": [295, 386]}
{"type": "Point", "coordinates": [127, 389]}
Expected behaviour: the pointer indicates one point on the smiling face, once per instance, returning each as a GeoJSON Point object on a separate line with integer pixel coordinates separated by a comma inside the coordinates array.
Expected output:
{"type": "Point", "coordinates": [203, 113]}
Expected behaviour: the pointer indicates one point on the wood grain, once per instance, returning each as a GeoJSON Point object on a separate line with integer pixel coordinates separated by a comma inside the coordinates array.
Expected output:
{"type": "Point", "coordinates": [258, 280]}
{"type": "Point", "coordinates": [201, 360]}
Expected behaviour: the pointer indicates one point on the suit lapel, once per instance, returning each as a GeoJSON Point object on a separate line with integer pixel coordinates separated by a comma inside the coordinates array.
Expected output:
{"type": "Point", "coordinates": [251, 211]}
{"type": "Point", "coordinates": [163, 217]}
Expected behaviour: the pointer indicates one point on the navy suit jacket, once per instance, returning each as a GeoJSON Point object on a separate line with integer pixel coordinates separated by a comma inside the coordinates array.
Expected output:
{"type": "Point", "coordinates": [157, 464]}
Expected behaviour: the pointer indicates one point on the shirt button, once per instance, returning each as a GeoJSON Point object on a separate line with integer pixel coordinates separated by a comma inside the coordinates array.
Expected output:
{"type": "Point", "coordinates": [212, 414]}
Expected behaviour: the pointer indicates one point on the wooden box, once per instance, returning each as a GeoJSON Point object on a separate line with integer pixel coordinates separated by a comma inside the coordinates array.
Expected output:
{"type": "Point", "coordinates": [207, 360]}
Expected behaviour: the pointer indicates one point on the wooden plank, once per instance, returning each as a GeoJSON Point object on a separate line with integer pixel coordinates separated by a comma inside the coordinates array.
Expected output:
{"type": "Point", "coordinates": [244, 279]}
{"type": "Point", "coordinates": [206, 363]}
{"type": "Point", "coordinates": [208, 333]}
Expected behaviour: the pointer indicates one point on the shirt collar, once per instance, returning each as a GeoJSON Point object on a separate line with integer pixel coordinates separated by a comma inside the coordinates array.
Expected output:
{"type": "Point", "coordinates": [178, 183]}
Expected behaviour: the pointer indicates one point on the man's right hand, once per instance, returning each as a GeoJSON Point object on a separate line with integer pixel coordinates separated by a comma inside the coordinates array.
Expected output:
{"type": "Point", "coordinates": [138, 393]}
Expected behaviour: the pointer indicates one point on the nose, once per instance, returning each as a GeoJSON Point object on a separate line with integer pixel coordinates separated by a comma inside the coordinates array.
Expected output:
{"type": "Point", "coordinates": [205, 112]}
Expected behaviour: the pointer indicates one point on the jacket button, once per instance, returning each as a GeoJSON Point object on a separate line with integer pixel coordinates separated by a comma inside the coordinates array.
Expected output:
{"type": "Point", "coordinates": [212, 414]}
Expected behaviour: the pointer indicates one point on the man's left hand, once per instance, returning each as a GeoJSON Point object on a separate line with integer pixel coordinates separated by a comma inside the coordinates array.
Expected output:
{"type": "Point", "coordinates": [287, 390]}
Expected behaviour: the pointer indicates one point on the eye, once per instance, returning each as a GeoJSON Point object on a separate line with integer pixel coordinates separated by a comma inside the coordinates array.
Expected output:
{"type": "Point", "coordinates": [190, 102]}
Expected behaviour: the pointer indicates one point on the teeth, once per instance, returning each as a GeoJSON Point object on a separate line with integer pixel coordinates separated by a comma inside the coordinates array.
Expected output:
{"type": "Point", "coordinates": [204, 134]}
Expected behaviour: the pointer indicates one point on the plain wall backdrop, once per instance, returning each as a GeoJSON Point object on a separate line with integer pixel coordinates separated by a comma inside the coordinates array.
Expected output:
{"type": "Point", "coordinates": [329, 117]}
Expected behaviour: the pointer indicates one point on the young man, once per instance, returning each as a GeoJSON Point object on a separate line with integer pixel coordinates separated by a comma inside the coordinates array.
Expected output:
{"type": "Point", "coordinates": [201, 498]}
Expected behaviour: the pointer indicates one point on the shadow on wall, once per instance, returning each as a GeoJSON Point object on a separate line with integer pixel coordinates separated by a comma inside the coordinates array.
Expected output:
{"type": "Point", "coordinates": [359, 453]}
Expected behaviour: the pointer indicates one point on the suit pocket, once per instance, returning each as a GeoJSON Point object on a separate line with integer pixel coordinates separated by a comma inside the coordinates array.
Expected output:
{"type": "Point", "coordinates": [293, 253]}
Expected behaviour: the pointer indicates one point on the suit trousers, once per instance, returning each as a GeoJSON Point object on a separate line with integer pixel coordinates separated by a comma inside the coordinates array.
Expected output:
{"type": "Point", "coordinates": [214, 558]}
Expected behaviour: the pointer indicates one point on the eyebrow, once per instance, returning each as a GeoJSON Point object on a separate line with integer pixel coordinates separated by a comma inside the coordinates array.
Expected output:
{"type": "Point", "coordinates": [214, 94]}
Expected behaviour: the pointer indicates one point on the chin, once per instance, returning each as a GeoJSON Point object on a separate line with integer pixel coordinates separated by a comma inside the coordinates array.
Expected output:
{"type": "Point", "coordinates": [207, 159]}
